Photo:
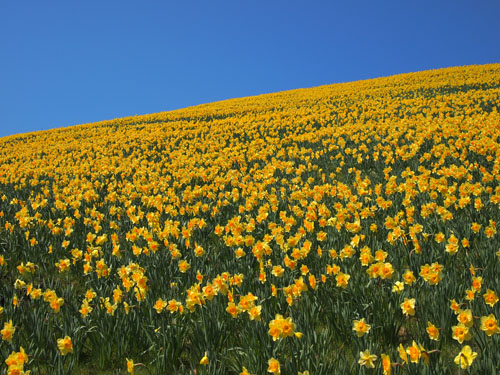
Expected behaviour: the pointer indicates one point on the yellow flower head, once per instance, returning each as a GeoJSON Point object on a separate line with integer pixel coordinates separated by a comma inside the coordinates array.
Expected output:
{"type": "Point", "coordinates": [342, 279]}
{"type": "Point", "coordinates": [460, 333]}
{"type": "Point", "coordinates": [130, 366]}
{"type": "Point", "coordinates": [402, 353]}
{"type": "Point", "coordinates": [477, 283]}
{"type": "Point", "coordinates": [233, 309]}
{"type": "Point", "coordinates": [278, 271]}
{"type": "Point", "coordinates": [184, 266]}
{"type": "Point", "coordinates": [398, 287]}
{"type": "Point", "coordinates": [366, 359]}
{"type": "Point", "coordinates": [65, 345]}
{"type": "Point", "coordinates": [273, 366]}
{"type": "Point", "coordinates": [204, 361]}
{"type": "Point", "coordinates": [432, 331]}
{"type": "Point", "coordinates": [360, 327]}
{"type": "Point", "coordinates": [254, 312]}
{"type": "Point", "coordinates": [280, 327]}
{"type": "Point", "coordinates": [15, 362]}
{"type": "Point", "coordinates": [409, 277]}
{"type": "Point", "coordinates": [454, 306]}
{"type": "Point", "coordinates": [490, 297]}
{"type": "Point", "coordinates": [386, 270]}
{"type": "Point", "coordinates": [159, 305]}
{"type": "Point", "coordinates": [465, 317]}
{"type": "Point", "coordinates": [8, 331]}
{"type": "Point", "coordinates": [470, 294]}
{"type": "Point", "coordinates": [413, 352]}
{"type": "Point", "coordinates": [489, 325]}
{"type": "Point", "coordinates": [408, 306]}
{"type": "Point", "coordinates": [386, 364]}
{"type": "Point", "coordinates": [465, 358]}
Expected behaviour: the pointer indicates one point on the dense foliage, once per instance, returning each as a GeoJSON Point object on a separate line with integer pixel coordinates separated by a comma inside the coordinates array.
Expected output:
{"type": "Point", "coordinates": [349, 228]}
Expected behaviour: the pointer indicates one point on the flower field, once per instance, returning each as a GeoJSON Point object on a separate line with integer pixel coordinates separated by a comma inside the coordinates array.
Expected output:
{"type": "Point", "coordinates": [343, 229]}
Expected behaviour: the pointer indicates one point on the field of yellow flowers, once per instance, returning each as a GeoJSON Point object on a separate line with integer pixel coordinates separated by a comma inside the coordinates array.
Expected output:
{"type": "Point", "coordinates": [343, 229]}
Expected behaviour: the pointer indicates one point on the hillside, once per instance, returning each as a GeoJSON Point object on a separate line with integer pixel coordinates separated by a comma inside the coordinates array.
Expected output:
{"type": "Point", "coordinates": [327, 230]}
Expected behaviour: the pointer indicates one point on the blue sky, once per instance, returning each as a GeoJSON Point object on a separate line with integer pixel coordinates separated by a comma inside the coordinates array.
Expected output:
{"type": "Point", "coordinates": [64, 63]}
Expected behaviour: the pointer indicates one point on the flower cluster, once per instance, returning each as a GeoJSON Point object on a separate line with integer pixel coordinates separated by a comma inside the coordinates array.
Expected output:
{"type": "Point", "coordinates": [367, 211]}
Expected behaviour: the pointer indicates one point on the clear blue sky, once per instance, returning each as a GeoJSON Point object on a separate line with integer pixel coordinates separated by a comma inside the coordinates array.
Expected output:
{"type": "Point", "coordinates": [71, 62]}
